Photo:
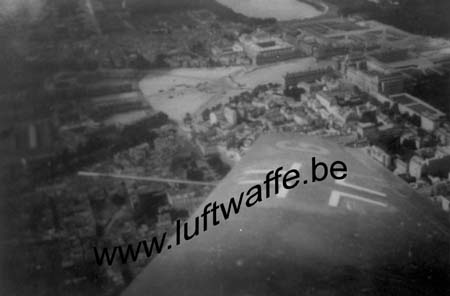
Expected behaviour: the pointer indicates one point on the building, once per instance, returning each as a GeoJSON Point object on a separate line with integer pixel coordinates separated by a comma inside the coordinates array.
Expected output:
{"type": "Point", "coordinates": [345, 115]}
{"type": "Point", "coordinates": [397, 60]}
{"type": "Point", "coordinates": [367, 112]}
{"type": "Point", "coordinates": [213, 118]}
{"type": "Point", "coordinates": [401, 166]}
{"type": "Point", "coordinates": [411, 137]}
{"type": "Point", "coordinates": [339, 109]}
{"type": "Point", "coordinates": [105, 106]}
{"type": "Point", "coordinates": [229, 55]}
{"type": "Point", "coordinates": [308, 46]}
{"type": "Point", "coordinates": [443, 134]}
{"type": "Point", "coordinates": [328, 101]}
{"type": "Point", "coordinates": [430, 117]}
{"type": "Point", "coordinates": [366, 129]}
{"type": "Point", "coordinates": [436, 165]}
{"type": "Point", "coordinates": [263, 48]}
{"type": "Point", "coordinates": [364, 80]}
{"type": "Point", "coordinates": [327, 52]}
{"type": "Point", "coordinates": [320, 49]}
{"type": "Point", "coordinates": [294, 78]}
{"type": "Point", "coordinates": [230, 115]}
{"type": "Point", "coordinates": [380, 155]}
{"type": "Point", "coordinates": [300, 118]}
{"type": "Point", "coordinates": [375, 82]}
{"type": "Point", "coordinates": [354, 60]}
{"type": "Point", "coordinates": [416, 164]}
{"type": "Point", "coordinates": [392, 83]}
{"type": "Point", "coordinates": [444, 202]}
{"type": "Point", "coordinates": [207, 148]}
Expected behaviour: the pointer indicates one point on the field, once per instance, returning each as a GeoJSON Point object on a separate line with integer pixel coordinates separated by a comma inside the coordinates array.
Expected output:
{"type": "Point", "coordinates": [182, 91]}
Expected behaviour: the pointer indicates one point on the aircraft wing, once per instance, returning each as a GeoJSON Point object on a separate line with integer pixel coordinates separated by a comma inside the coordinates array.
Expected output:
{"type": "Point", "coordinates": [369, 234]}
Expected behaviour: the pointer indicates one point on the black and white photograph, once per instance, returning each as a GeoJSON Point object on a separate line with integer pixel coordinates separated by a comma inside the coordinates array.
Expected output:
{"type": "Point", "coordinates": [225, 147]}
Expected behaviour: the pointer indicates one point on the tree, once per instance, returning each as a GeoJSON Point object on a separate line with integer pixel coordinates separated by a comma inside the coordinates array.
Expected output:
{"type": "Point", "coordinates": [160, 61]}
{"type": "Point", "coordinates": [205, 114]}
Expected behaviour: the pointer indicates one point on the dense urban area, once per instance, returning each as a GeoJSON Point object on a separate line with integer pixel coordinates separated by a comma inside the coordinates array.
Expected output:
{"type": "Point", "coordinates": [100, 96]}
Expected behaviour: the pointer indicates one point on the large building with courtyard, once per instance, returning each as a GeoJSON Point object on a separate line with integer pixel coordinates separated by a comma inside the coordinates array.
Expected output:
{"type": "Point", "coordinates": [263, 48]}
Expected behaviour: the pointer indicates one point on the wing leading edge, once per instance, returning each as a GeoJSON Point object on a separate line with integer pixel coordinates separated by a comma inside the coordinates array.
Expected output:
{"type": "Point", "coordinates": [368, 234]}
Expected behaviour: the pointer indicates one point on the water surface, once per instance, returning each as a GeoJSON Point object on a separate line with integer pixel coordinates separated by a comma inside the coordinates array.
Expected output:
{"type": "Point", "coordinates": [280, 9]}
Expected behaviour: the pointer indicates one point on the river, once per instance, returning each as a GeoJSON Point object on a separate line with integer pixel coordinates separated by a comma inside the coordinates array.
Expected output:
{"type": "Point", "coordinates": [282, 10]}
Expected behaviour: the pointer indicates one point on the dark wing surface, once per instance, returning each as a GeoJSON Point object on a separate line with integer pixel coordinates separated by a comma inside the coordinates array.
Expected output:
{"type": "Point", "coordinates": [369, 234]}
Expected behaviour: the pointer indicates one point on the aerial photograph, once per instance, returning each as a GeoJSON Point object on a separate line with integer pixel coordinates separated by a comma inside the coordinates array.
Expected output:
{"type": "Point", "coordinates": [225, 147]}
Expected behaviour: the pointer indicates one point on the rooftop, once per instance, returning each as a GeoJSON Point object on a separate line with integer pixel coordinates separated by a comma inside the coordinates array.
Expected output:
{"type": "Point", "coordinates": [417, 105]}
{"type": "Point", "coordinates": [260, 41]}
{"type": "Point", "coordinates": [391, 56]}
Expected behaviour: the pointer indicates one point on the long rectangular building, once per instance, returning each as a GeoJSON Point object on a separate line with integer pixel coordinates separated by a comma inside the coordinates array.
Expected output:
{"type": "Point", "coordinates": [375, 82]}
{"type": "Point", "coordinates": [294, 78]}
{"type": "Point", "coordinates": [430, 117]}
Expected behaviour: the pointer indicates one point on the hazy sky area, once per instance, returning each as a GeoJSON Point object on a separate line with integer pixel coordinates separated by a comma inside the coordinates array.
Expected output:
{"type": "Point", "coordinates": [279, 9]}
{"type": "Point", "coordinates": [12, 7]}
